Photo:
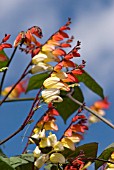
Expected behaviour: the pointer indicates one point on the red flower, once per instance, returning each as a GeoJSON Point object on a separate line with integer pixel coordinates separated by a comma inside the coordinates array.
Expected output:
{"type": "Point", "coordinates": [5, 45]}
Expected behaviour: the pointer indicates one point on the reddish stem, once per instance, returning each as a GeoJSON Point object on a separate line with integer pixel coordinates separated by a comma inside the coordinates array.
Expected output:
{"type": "Point", "coordinates": [26, 121]}
{"type": "Point", "coordinates": [22, 76]}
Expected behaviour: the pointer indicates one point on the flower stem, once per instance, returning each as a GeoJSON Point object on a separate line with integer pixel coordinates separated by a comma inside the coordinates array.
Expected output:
{"type": "Point", "coordinates": [26, 121]}
{"type": "Point", "coordinates": [4, 74]}
{"type": "Point", "coordinates": [22, 76]}
{"type": "Point", "coordinates": [90, 110]}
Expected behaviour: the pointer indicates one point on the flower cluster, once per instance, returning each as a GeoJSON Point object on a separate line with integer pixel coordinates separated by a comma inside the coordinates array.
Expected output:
{"type": "Point", "coordinates": [99, 107]}
{"type": "Point", "coordinates": [16, 92]}
{"type": "Point", "coordinates": [77, 128]}
{"type": "Point", "coordinates": [62, 75]}
{"type": "Point", "coordinates": [48, 148]}
{"type": "Point", "coordinates": [4, 45]}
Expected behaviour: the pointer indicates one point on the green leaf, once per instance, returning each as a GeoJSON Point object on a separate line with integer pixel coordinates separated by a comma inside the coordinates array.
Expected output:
{"type": "Point", "coordinates": [105, 155]}
{"type": "Point", "coordinates": [28, 157]}
{"type": "Point", "coordinates": [36, 81]}
{"type": "Point", "coordinates": [68, 107]}
{"type": "Point", "coordinates": [22, 162]}
{"type": "Point", "coordinates": [3, 63]}
{"type": "Point", "coordinates": [89, 150]}
{"type": "Point", "coordinates": [2, 154]}
{"type": "Point", "coordinates": [91, 83]}
{"type": "Point", "coordinates": [5, 164]}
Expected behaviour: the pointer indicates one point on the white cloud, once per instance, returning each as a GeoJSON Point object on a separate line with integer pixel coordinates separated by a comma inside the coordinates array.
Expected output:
{"type": "Point", "coordinates": [7, 7]}
{"type": "Point", "coordinates": [96, 32]}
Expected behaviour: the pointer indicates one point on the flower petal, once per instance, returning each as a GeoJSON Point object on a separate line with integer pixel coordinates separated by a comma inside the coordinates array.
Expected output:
{"type": "Point", "coordinates": [57, 158]}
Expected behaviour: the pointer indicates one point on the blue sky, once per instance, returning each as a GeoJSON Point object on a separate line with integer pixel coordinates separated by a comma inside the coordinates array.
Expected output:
{"type": "Point", "coordinates": [92, 24]}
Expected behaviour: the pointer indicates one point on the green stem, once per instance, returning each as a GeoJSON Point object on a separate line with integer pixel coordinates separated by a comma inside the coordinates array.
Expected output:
{"type": "Point", "coordinates": [19, 100]}
{"type": "Point", "coordinates": [90, 110]}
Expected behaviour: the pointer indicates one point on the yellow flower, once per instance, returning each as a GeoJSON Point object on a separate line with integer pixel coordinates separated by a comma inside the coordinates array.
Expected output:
{"type": "Point", "coordinates": [58, 146]}
{"type": "Point", "coordinates": [44, 57]}
{"type": "Point", "coordinates": [41, 160]}
{"type": "Point", "coordinates": [50, 92]}
{"type": "Point", "coordinates": [12, 95]}
{"type": "Point", "coordinates": [55, 82]}
{"type": "Point", "coordinates": [37, 152]}
{"type": "Point", "coordinates": [39, 58]}
{"type": "Point", "coordinates": [50, 125]}
{"type": "Point", "coordinates": [44, 143]}
{"type": "Point", "coordinates": [51, 95]}
{"type": "Point", "coordinates": [94, 119]}
{"type": "Point", "coordinates": [57, 158]}
{"type": "Point", "coordinates": [48, 47]}
{"type": "Point", "coordinates": [75, 137]}
{"type": "Point", "coordinates": [60, 74]}
{"type": "Point", "coordinates": [54, 98]}
{"type": "Point", "coordinates": [41, 67]}
{"type": "Point", "coordinates": [68, 143]}
{"type": "Point", "coordinates": [53, 139]}
{"type": "Point", "coordinates": [38, 134]}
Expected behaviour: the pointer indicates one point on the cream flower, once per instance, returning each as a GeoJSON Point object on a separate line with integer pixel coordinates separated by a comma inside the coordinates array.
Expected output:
{"type": "Point", "coordinates": [37, 152]}
{"type": "Point", "coordinates": [41, 67]}
{"type": "Point", "coordinates": [58, 146]}
{"type": "Point", "coordinates": [60, 74]}
{"type": "Point", "coordinates": [68, 143]}
{"type": "Point", "coordinates": [51, 95]}
{"type": "Point", "coordinates": [44, 143]}
{"type": "Point", "coordinates": [53, 139]}
{"type": "Point", "coordinates": [48, 47]}
{"type": "Point", "coordinates": [44, 57]}
{"type": "Point", "coordinates": [39, 58]}
{"type": "Point", "coordinates": [57, 158]}
{"type": "Point", "coordinates": [54, 98]}
{"type": "Point", "coordinates": [55, 82]}
{"type": "Point", "coordinates": [50, 92]}
{"type": "Point", "coordinates": [41, 160]}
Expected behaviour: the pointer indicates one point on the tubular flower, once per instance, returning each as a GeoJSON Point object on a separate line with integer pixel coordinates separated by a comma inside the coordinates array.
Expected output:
{"type": "Point", "coordinates": [57, 158]}
{"type": "Point", "coordinates": [20, 88]}
{"type": "Point", "coordinates": [37, 152]}
{"type": "Point", "coordinates": [75, 131]}
{"type": "Point", "coordinates": [38, 134]}
{"type": "Point", "coordinates": [48, 125]}
{"type": "Point", "coordinates": [3, 44]}
{"type": "Point", "coordinates": [60, 74]}
{"type": "Point", "coordinates": [68, 143]}
{"type": "Point", "coordinates": [99, 107]}
{"type": "Point", "coordinates": [54, 98]}
{"type": "Point", "coordinates": [51, 95]}
{"type": "Point", "coordinates": [41, 67]}
{"type": "Point", "coordinates": [28, 37]}
{"type": "Point", "coordinates": [44, 57]}
{"type": "Point", "coordinates": [55, 82]}
{"type": "Point", "coordinates": [41, 160]}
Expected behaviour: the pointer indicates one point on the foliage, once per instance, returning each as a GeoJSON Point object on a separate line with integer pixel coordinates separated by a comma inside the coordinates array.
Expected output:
{"type": "Point", "coordinates": [56, 80]}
